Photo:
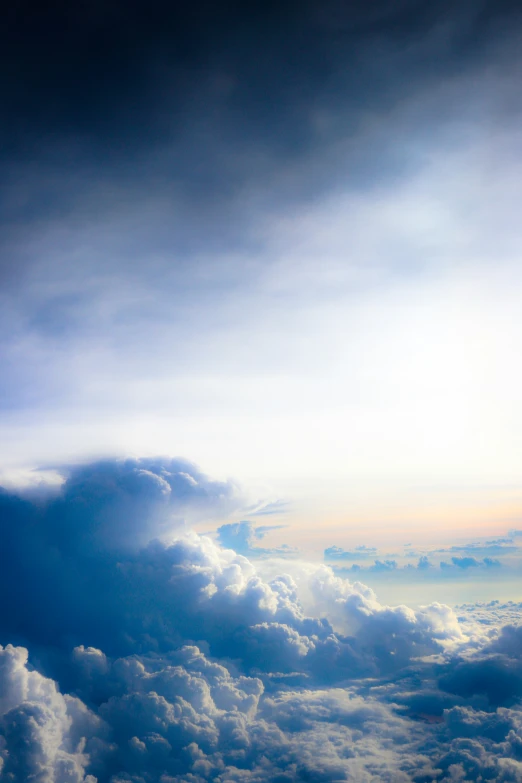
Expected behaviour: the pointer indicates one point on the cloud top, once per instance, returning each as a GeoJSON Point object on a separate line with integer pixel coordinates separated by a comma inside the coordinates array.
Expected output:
{"type": "Point", "coordinates": [177, 660]}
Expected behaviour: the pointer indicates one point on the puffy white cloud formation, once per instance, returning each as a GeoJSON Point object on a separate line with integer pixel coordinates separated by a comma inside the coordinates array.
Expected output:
{"type": "Point", "coordinates": [45, 735]}
{"type": "Point", "coordinates": [155, 662]}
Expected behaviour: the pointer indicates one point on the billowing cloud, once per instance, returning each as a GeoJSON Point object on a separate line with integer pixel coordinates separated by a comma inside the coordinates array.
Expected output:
{"type": "Point", "coordinates": [176, 660]}
{"type": "Point", "coordinates": [44, 735]}
{"type": "Point", "coordinates": [104, 504]}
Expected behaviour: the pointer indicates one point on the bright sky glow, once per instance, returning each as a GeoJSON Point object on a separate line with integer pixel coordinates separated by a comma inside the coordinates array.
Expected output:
{"type": "Point", "coordinates": [365, 359]}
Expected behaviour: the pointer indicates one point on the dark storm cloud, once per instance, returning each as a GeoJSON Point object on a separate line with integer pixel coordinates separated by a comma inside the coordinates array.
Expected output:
{"type": "Point", "coordinates": [126, 74]}
{"type": "Point", "coordinates": [152, 154]}
{"type": "Point", "coordinates": [194, 100]}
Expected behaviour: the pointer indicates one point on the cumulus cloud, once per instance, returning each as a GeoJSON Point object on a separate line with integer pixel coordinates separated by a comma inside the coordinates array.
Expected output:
{"type": "Point", "coordinates": [384, 565]}
{"type": "Point", "coordinates": [46, 736]}
{"type": "Point", "coordinates": [176, 660]}
{"type": "Point", "coordinates": [105, 503]}
{"type": "Point", "coordinates": [242, 537]}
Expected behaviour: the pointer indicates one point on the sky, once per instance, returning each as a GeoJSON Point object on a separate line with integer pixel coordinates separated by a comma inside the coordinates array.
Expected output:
{"type": "Point", "coordinates": [280, 241]}
{"type": "Point", "coordinates": [260, 440]}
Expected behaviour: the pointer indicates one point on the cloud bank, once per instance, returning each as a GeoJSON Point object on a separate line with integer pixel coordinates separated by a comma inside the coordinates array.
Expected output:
{"type": "Point", "coordinates": [153, 661]}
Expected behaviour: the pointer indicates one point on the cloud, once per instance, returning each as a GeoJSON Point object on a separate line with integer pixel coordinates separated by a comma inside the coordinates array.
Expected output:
{"type": "Point", "coordinates": [359, 553]}
{"type": "Point", "coordinates": [384, 565]}
{"type": "Point", "coordinates": [274, 508]}
{"type": "Point", "coordinates": [165, 169]}
{"type": "Point", "coordinates": [176, 660]}
{"type": "Point", "coordinates": [424, 570]}
{"type": "Point", "coordinates": [497, 547]}
{"type": "Point", "coordinates": [43, 732]}
{"type": "Point", "coordinates": [464, 563]}
{"type": "Point", "coordinates": [104, 504]}
{"type": "Point", "coordinates": [195, 71]}
{"type": "Point", "coordinates": [492, 562]}
{"type": "Point", "coordinates": [178, 200]}
{"type": "Point", "coordinates": [242, 537]}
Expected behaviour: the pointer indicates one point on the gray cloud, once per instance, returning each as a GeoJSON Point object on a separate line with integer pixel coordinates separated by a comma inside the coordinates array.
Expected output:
{"type": "Point", "coordinates": [211, 112]}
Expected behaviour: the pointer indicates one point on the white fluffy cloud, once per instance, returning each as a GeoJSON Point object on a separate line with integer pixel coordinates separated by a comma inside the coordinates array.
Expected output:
{"type": "Point", "coordinates": [183, 661]}
{"type": "Point", "coordinates": [44, 734]}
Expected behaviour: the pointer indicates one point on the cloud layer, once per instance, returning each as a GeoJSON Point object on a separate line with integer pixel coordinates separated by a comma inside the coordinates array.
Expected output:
{"type": "Point", "coordinates": [155, 661]}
